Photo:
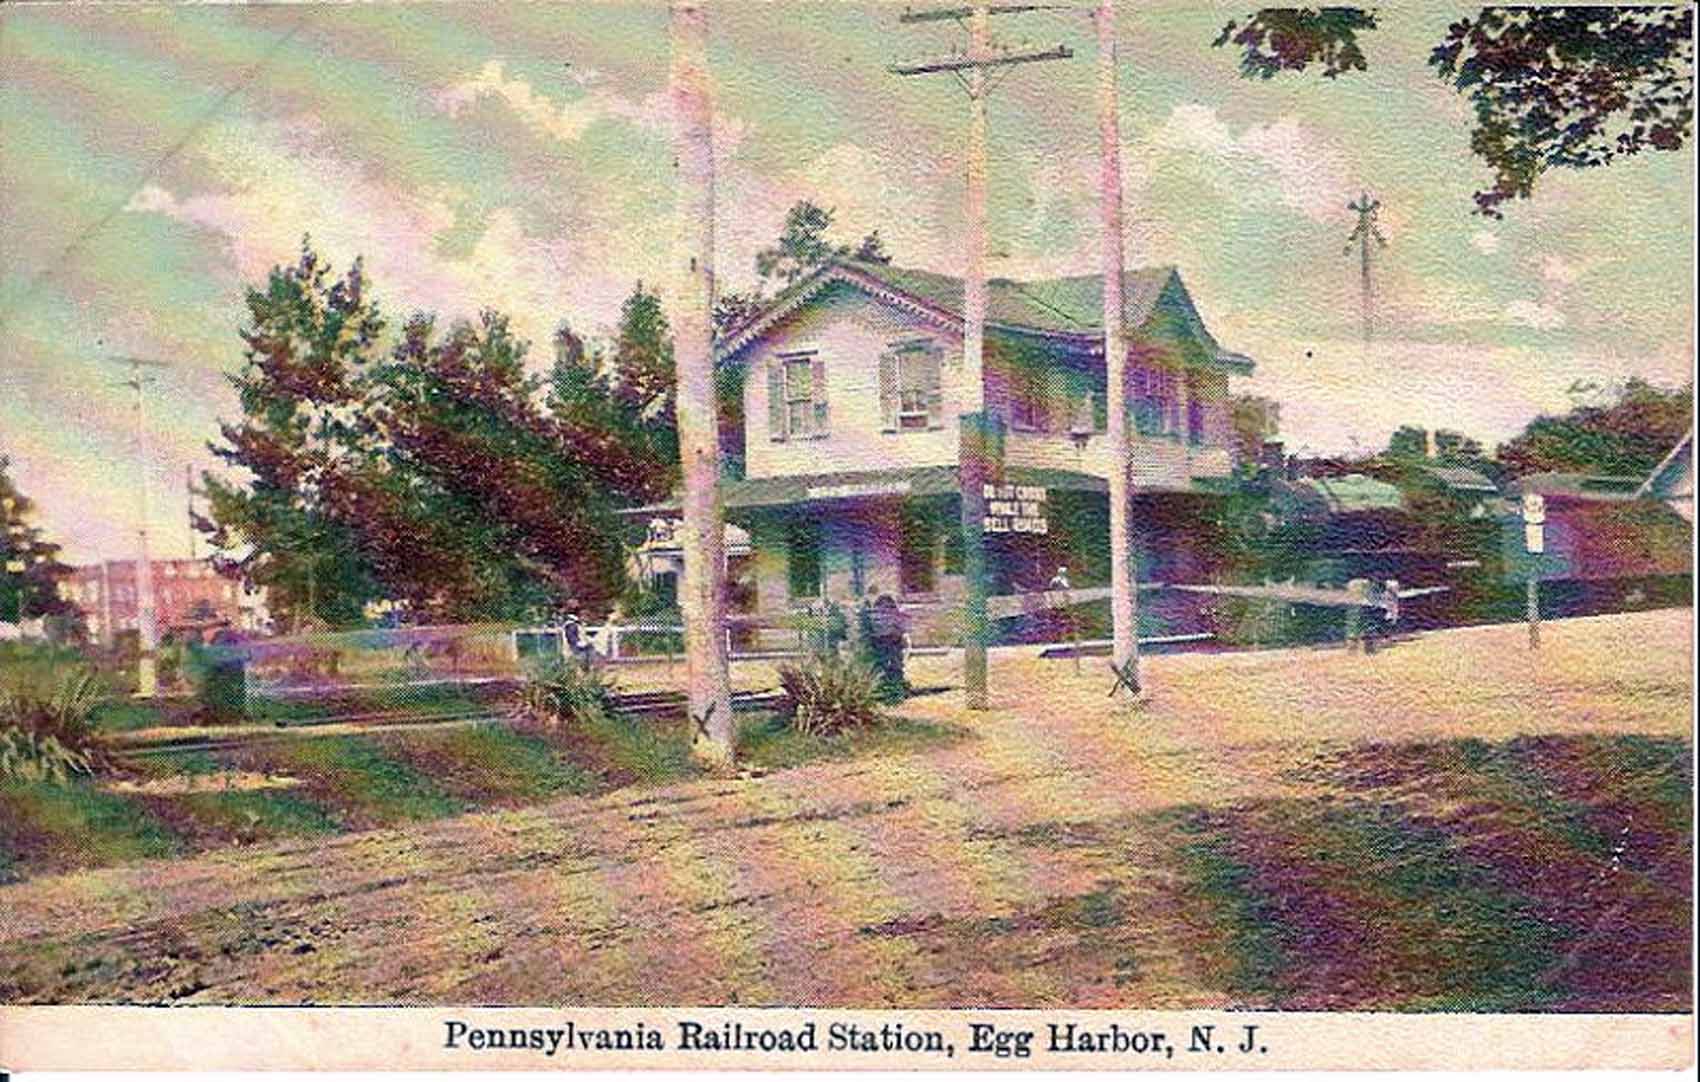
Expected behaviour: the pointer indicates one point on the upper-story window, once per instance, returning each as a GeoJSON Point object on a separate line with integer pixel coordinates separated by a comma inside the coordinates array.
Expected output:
{"type": "Point", "coordinates": [911, 395]}
{"type": "Point", "coordinates": [1030, 405]}
{"type": "Point", "coordinates": [1156, 401]}
{"type": "Point", "coordinates": [796, 396]}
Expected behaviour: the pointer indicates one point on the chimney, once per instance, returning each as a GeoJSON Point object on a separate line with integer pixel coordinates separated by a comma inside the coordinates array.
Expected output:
{"type": "Point", "coordinates": [1433, 444]}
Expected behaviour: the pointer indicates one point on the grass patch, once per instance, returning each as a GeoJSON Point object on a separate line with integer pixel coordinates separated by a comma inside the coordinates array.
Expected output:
{"type": "Point", "coordinates": [354, 776]}
{"type": "Point", "coordinates": [488, 764]}
{"type": "Point", "coordinates": [1465, 940]}
{"type": "Point", "coordinates": [257, 814]}
{"type": "Point", "coordinates": [634, 751]}
{"type": "Point", "coordinates": [1254, 946]}
{"type": "Point", "coordinates": [125, 715]}
{"type": "Point", "coordinates": [77, 825]}
{"type": "Point", "coordinates": [767, 742]}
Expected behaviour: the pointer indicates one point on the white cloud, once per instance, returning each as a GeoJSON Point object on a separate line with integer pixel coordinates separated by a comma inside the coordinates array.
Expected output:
{"type": "Point", "coordinates": [568, 121]}
{"type": "Point", "coordinates": [1536, 314]}
{"type": "Point", "coordinates": [1309, 173]}
{"type": "Point", "coordinates": [1557, 270]}
{"type": "Point", "coordinates": [1484, 242]}
{"type": "Point", "coordinates": [288, 189]}
{"type": "Point", "coordinates": [152, 199]}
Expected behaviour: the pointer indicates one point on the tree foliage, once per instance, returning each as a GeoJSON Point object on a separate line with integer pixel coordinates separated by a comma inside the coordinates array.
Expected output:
{"type": "Point", "coordinates": [1450, 448]}
{"type": "Point", "coordinates": [307, 338]}
{"type": "Point", "coordinates": [1552, 87]}
{"type": "Point", "coordinates": [1274, 40]}
{"type": "Point", "coordinates": [443, 473]}
{"type": "Point", "coordinates": [1627, 436]}
{"type": "Point", "coordinates": [802, 246]}
{"type": "Point", "coordinates": [30, 570]}
{"type": "Point", "coordinates": [1252, 420]}
{"type": "Point", "coordinates": [1569, 87]}
{"type": "Point", "coordinates": [619, 409]}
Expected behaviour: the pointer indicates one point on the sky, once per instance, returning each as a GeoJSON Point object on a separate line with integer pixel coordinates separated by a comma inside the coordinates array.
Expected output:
{"type": "Point", "coordinates": [156, 160]}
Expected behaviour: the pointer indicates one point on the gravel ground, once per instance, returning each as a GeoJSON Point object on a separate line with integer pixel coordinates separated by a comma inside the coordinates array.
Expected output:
{"type": "Point", "coordinates": [1451, 823]}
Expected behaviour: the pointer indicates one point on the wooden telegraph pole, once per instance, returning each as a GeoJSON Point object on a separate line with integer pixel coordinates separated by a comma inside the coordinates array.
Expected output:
{"type": "Point", "coordinates": [1124, 582]}
{"type": "Point", "coordinates": [1366, 209]}
{"type": "Point", "coordinates": [982, 429]}
{"type": "Point", "coordinates": [703, 585]}
{"type": "Point", "coordinates": [147, 620]}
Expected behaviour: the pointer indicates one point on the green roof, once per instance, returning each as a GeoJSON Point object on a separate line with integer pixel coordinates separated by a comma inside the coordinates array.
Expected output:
{"type": "Point", "coordinates": [1053, 305]}
{"type": "Point", "coordinates": [1156, 304]}
{"type": "Point", "coordinates": [1355, 492]}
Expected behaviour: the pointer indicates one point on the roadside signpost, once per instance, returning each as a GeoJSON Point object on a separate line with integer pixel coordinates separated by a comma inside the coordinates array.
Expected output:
{"type": "Point", "coordinates": [1534, 543]}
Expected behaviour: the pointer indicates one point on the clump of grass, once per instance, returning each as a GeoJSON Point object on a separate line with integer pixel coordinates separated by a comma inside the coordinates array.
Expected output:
{"type": "Point", "coordinates": [558, 692]}
{"type": "Point", "coordinates": [827, 694]}
{"type": "Point", "coordinates": [572, 701]}
{"type": "Point", "coordinates": [47, 731]}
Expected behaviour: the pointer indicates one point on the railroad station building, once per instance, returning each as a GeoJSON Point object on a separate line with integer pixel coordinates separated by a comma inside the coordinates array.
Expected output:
{"type": "Point", "coordinates": [840, 436]}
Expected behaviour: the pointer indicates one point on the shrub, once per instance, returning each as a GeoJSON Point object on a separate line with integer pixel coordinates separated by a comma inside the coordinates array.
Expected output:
{"type": "Point", "coordinates": [830, 695]}
{"type": "Point", "coordinates": [219, 679]}
{"type": "Point", "coordinates": [47, 732]}
{"type": "Point", "coordinates": [560, 690]}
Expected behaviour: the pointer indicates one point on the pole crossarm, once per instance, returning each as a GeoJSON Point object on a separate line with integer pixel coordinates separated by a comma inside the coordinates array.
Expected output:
{"type": "Point", "coordinates": [942, 14]}
{"type": "Point", "coordinates": [961, 63]}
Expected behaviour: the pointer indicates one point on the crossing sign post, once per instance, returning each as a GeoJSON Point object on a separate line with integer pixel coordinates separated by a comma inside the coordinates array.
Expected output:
{"type": "Point", "coordinates": [1535, 544]}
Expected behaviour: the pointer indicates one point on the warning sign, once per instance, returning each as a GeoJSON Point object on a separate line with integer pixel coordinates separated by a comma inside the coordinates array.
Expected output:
{"type": "Point", "coordinates": [1016, 509]}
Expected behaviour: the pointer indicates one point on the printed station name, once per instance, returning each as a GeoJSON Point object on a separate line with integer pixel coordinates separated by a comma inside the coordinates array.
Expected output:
{"type": "Point", "coordinates": [998, 1041]}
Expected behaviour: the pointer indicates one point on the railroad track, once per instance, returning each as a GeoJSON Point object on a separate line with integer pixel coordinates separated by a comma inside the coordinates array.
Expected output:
{"type": "Point", "coordinates": [636, 705]}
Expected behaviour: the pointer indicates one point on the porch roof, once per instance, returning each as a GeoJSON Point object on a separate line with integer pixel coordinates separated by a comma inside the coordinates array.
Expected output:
{"type": "Point", "coordinates": [866, 484]}
{"type": "Point", "coordinates": [912, 481]}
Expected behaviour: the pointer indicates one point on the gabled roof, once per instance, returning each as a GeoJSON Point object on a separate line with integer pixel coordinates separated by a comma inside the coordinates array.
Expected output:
{"type": "Point", "coordinates": [1580, 486]}
{"type": "Point", "coordinates": [1670, 472]}
{"type": "Point", "coordinates": [1462, 479]}
{"type": "Point", "coordinates": [1355, 492]}
{"type": "Point", "coordinates": [1069, 308]}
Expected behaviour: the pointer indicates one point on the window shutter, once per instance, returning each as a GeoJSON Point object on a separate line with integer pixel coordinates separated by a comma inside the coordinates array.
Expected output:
{"type": "Point", "coordinates": [775, 400]}
{"type": "Point", "coordinates": [935, 391]}
{"type": "Point", "coordinates": [888, 392]}
{"type": "Point", "coordinates": [817, 387]}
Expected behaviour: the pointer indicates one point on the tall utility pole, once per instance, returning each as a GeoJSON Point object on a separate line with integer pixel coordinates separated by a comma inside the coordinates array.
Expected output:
{"type": "Point", "coordinates": [703, 589]}
{"type": "Point", "coordinates": [1365, 208]}
{"type": "Point", "coordinates": [1124, 571]}
{"type": "Point", "coordinates": [147, 626]}
{"type": "Point", "coordinates": [982, 429]}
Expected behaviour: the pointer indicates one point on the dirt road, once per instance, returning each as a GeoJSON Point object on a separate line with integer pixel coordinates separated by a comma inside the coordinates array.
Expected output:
{"type": "Point", "coordinates": [1217, 846]}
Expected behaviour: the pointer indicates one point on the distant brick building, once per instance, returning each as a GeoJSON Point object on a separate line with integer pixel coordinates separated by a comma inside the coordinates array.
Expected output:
{"type": "Point", "coordinates": [186, 592]}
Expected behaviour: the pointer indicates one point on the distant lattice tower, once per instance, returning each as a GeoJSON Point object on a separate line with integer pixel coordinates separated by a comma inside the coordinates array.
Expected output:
{"type": "Point", "coordinates": [1365, 208]}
